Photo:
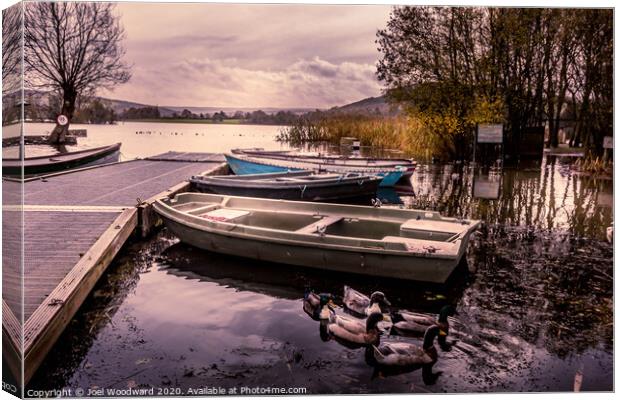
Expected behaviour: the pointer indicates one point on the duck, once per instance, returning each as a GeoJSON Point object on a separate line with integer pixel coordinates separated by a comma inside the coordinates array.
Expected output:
{"type": "Point", "coordinates": [351, 333]}
{"type": "Point", "coordinates": [401, 354]}
{"type": "Point", "coordinates": [411, 322]}
{"type": "Point", "coordinates": [314, 304]}
{"type": "Point", "coordinates": [362, 304]}
{"type": "Point", "coordinates": [351, 324]}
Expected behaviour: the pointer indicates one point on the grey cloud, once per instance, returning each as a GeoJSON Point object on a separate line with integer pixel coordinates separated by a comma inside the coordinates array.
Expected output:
{"type": "Point", "coordinates": [301, 84]}
{"type": "Point", "coordinates": [251, 55]}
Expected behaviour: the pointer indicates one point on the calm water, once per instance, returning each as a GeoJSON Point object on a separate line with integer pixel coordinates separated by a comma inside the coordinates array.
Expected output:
{"type": "Point", "coordinates": [534, 296]}
{"type": "Point", "coordinates": [141, 139]}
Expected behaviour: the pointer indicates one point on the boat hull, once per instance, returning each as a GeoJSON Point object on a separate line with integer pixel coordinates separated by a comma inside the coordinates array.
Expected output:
{"type": "Point", "coordinates": [61, 162]}
{"type": "Point", "coordinates": [246, 166]}
{"type": "Point", "coordinates": [380, 265]}
{"type": "Point", "coordinates": [242, 167]}
{"type": "Point", "coordinates": [388, 242]}
{"type": "Point", "coordinates": [311, 191]}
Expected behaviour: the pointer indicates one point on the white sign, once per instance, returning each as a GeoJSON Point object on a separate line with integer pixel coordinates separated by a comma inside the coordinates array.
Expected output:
{"type": "Point", "coordinates": [608, 142]}
{"type": "Point", "coordinates": [62, 120]}
{"type": "Point", "coordinates": [491, 133]}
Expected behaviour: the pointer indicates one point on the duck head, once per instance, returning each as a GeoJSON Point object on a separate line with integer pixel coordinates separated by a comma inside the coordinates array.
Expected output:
{"type": "Point", "coordinates": [379, 299]}
{"type": "Point", "coordinates": [326, 302]}
{"type": "Point", "coordinates": [445, 312]}
{"type": "Point", "coordinates": [429, 341]}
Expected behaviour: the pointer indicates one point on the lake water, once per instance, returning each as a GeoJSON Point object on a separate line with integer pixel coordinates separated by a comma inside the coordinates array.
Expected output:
{"type": "Point", "coordinates": [142, 139]}
{"type": "Point", "coordinates": [534, 296]}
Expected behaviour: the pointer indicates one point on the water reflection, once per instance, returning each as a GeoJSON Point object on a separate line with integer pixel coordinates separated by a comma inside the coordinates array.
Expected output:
{"type": "Point", "coordinates": [290, 282]}
{"type": "Point", "coordinates": [551, 198]}
{"type": "Point", "coordinates": [534, 299]}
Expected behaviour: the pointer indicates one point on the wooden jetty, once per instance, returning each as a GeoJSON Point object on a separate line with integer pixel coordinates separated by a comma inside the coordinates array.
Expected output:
{"type": "Point", "coordinates": [74, 224]}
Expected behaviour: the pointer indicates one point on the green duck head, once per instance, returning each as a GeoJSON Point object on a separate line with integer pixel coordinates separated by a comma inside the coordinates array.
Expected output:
{"type": "Point", "coordinates": [445, 312]}
{"type": "Point", "coordinates": [379, 298]}
{"type": "Point", "coordinates": [325, 299]}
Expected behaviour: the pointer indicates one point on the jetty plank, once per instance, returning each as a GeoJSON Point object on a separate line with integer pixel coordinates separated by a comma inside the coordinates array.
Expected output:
{"type": "Point", "coordinates": [12, 265]}
{"type": "Point", "coordinates": [113, 185]}
{"type": "Point", "coordinates": [12, 341]}
{"type": "Point", "coordinates": [188, 156]}
{"type": "Point", "coordinates": [49, 320]}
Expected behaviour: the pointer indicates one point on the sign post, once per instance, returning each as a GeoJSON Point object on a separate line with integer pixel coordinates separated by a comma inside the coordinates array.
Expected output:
{"type": "Point", "coordinates": [489, 134]}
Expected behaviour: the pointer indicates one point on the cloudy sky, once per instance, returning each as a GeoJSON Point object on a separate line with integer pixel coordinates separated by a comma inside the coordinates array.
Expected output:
{"type": "Point", "coordinates": [250, 55]}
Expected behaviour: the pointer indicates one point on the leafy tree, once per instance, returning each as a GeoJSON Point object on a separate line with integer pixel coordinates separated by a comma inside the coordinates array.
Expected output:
{"type": "Point", "coordinates": [448, 63]}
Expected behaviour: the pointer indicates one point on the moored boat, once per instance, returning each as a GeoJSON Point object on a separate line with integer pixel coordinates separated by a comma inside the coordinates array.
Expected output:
{"type": "Point", "coordinates": [243, 164]}
{"type": "Point", "coordinates": [335, 160]}
{"type": "Point", "coordinates": [60, 162]}
{"type": "Point", "coordinates": [388, 242]}
{"type": "Point", "coordinates": [290, 185]}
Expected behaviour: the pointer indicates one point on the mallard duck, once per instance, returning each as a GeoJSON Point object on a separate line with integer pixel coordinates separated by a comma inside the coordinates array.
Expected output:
{"type": "Point", "coordinates": [411, 322]}
{"type": "Point", "coordinates": [370, 335]}
{"type": "Point", "coordinates": [351, 324]}
{"type": "Point", "coordinates": [314, 303]}
{"type": "Point", "coordinates": [364, 305]}
{"type": "Point", "coordinates": [400, 354]}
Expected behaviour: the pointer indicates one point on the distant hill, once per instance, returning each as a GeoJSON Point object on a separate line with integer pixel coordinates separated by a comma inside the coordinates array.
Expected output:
{"type": "Point", "coordinates": [232, 110]}
{"type": "Point", "coordinates": [119, 106]}
{"type": "Point", "coordinates": [371, 105]}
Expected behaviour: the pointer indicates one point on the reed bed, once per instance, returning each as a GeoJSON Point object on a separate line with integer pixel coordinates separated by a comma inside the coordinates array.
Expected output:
{"type": "Point", "coordinates": [410, 134]}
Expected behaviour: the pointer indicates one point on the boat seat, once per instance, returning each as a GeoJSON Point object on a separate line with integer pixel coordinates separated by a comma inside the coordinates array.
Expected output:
{"type": "Point", "coordinates": [432, 225]}
{"type": "Point", "coordinates": [224, 214]}
{"type": "Point", "coordinates": [419, 245]}
{"type": "Point", "coordinates": [321, 223]}
{"type": "Point", "coordinates": [203, 209]}
{"type": "Point", "coordinates": [189, 207]}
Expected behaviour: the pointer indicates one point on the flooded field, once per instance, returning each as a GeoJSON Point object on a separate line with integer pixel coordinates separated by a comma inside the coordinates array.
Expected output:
{"type": "Point", "coordinates": [534, 299]}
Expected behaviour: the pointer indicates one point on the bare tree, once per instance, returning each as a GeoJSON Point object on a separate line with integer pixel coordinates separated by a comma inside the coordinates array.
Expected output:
{"type": "Point", "coordinates": [74, 49]}
{"type": "Point", "coordinates": [11, 48]}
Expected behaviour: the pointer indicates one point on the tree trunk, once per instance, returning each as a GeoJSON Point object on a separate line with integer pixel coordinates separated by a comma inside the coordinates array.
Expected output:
{"type": "Point", "coordinates": [60, 132]}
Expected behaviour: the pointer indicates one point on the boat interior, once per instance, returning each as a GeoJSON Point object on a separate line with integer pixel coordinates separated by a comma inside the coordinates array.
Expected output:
{"type": "Point", "coordinates": [387, 228]}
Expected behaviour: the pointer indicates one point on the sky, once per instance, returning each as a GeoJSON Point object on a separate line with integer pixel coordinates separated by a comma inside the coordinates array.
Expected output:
{"type": "Point", "coordinates": [235, 55]}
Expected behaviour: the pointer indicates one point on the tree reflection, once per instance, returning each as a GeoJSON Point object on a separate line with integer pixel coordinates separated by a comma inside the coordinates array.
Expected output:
{"type": "Point", "coordinates": [542, 266]}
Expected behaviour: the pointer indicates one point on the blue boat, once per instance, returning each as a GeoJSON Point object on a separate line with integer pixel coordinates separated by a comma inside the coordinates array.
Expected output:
{"type": "Point", "coordinates": [243, 165]}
